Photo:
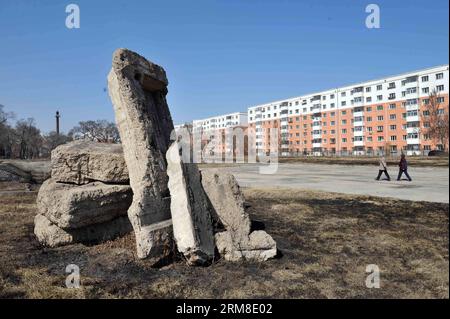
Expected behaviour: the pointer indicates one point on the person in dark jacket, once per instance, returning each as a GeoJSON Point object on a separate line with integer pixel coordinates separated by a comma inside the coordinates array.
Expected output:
{"type": "Point", "coordinates": [403, 168]}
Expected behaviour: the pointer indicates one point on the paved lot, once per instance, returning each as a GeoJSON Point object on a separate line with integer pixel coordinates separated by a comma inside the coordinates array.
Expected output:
{"type": "Point", "coordinates": [429, 183]}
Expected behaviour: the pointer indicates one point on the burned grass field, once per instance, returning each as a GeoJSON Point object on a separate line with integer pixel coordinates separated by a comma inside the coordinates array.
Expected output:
{"type": "Point", "coordinates": [326, 240]}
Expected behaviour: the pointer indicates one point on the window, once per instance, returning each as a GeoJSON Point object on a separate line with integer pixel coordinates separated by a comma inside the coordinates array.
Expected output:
{"type": "Point", "coordinates": [380, 138]}
{"type": "Point", "coordinates": [332, 105]}
{"type": "Point", "coordinates": [332, 96]}
{"type": "Point", "coordinates": [380, 128]}
{"type": "Point", "coordinates": [425, 78]}
{"type": "Point", "coordinates": [392, 106]}
{"type": "Point", "coordinates": [344, 122]}
{"type": "Point", "coordinates": [391, 85]}
{"type": "Point", "coordinates": [344, 131]}
{"type": "Point", "coordinates": [392, 116]}
{"type": "Point", "coordinates": [393, 138]}
{"type": "Point", "coordinates": [380, 117]}
{"type": "Point", "coordinates": [440, 99]}
{"type": "Point", "coordinates": [368, 99]}
{"type": "Point", "coordinates": [439, 76]}
{"type": "Point", "coordinates": [368, 89]}
{"type": "Point", "coordinates": [440, 88]}
{"type": "Point", "coordinates": [343, 94]}
{"type": "Point", "coordinates": [426, 113]}
{"type": "Point", "coordinates": [343, 103]}
{"type": "Point", "coordinates": [369, 109]}
{"type": "Point", "coordinates": [379, 107]}
{"type": "Point", "coordinates": [425, 90]}
{"type": "Point", "coordinates": [369, 119]}
{"type": "Point", "coordinates": [391, 96]}
{"type": "Point", "coordinates": [344, 140]}
{"type": "Point", "coordinates": [379, 87]}
{"type": "Point", "coordinates": [393, 127]}
{"type": "Point", "coordinates": [379, 97]}
{"type": "Point", "coordinates": [344, 112]}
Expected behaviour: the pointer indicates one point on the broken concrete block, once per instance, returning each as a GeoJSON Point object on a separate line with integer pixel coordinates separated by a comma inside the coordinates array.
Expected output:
{"type": "Point", "coordinates": [228, 207]}
{"type": "Point", "coordinates": [70, 206]}
{"type": "Point", "coordinates": [50, 235]}
{"type": "Point", "coordinates": [258, 246]}
{"type": "Point", "coordinates": [227, 201]}
{"type": "Point", "coordinates": [81, 162]}
{"type": "Point", "coordinates": [138, 89]}
{"type": "Point", "coordinates": [192, 224]}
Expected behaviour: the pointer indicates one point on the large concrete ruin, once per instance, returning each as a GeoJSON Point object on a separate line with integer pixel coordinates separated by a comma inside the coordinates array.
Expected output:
{"type": "Point", "coordinates": [99, 191]}
{"type": "Point", "coordinates": [138, 91]}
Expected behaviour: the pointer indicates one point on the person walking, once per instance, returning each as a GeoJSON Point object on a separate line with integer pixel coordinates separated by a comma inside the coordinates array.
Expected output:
{"type": "Point", "coordinates": [403, 168]}
{"type": "Point", "coordinates": [383, 169]}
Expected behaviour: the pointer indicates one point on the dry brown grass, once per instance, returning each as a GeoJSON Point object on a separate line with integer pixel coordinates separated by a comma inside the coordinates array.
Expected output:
{"type": "Point", "coordinates": [326, 241]}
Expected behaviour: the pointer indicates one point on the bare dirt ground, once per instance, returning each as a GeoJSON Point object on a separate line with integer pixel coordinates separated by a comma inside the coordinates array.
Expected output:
{"type": "Point", "coordinates": [326, 240]}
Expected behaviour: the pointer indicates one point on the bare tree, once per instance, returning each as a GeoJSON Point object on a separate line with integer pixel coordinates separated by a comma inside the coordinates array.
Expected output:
{"type": "Point", "coordinates": [28, 139]}
{"type": "Point", "coordinates": [100, 131]}
{"type": "Point", "coordinates": [52, 140]}
{"type": "Point", "coordinates": [436, 120]}
{"type": "Point", "coordinates": [6, 133]}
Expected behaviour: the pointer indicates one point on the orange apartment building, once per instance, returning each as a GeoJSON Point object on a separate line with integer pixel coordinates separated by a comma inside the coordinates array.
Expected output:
{"type": "Point", "coordinates": [385, 116]}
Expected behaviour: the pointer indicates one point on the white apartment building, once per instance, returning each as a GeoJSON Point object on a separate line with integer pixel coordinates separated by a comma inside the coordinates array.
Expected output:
{"type": "Point", "coordinates": [220, 122]}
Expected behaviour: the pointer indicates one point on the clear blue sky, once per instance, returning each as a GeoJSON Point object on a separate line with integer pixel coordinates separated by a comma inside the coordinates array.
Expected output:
{"type": "Point", "coordinates": [220, 56]}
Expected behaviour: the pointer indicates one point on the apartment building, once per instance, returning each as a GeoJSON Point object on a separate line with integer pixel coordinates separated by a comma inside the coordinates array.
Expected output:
{"type": "Point", "coordinates": [215, 127]}
{"type": "Point", "coordinates": [380, 116]}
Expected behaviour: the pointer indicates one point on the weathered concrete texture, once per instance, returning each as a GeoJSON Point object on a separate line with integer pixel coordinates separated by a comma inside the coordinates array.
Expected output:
{"type": "Point", "coordinates": [70, 206]}
{"type": "Point", "coordinates": [227, 201]}
{"type": "Point", "coordinates": [228, 205]}
{"type": "Point", "coordinates": [138, 91]}
{"type": "Point", "coordinates": [50, 235]}
{"type": "Point", "coordinates": [257, 246]}
{"type": "Point", "coordinates": [81, 162]}
{"type": "Point", "coordinates": [192, 224]}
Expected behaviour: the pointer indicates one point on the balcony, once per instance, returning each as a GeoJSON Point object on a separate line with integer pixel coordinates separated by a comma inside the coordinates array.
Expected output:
{"type": "Point", "coordinates": [358, 133]}
{"type": "Point", "coordinates": [413, 141]}
{"type": "Point", "coordinates": [317, 126]}
{"type": "Point", "coordinates": [412, 107]}
{"type": "Point", "coordinates": [316, 145]}
{"type": "Point", "coordinates": [317, 135]}
{"type": "Point", "coordinates": [358, 143]}
{"type": "Point", "coordinates": [358, 123]}
{"type": "Point", "coordinates": [357, 103]}
{"type": "Point", "coordinates": [412, 130]}
{"type": "Point", "coordinates": [413, 118]}
{"type": "Point", "coordinates": [358, 114]}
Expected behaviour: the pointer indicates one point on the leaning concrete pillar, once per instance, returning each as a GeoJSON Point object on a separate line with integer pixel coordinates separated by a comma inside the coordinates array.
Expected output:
{"type": "Point", "coordinates": [138, 89]}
